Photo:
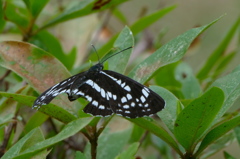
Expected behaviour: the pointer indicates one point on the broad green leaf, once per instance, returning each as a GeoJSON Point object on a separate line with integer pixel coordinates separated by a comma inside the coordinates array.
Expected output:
{"type": "Point", "coordinates": [218, 132]}
{"type": "Point", "coordinates": [119, 62]}
{"type": "Point", "coordinates": [38, 68]}
{"type": "Point", "coordinates": [169, 114]}
{"type": "Point", "coordinates": [69, 130]}
{"type": "Point", "coordinates": [138, 26]}
{"type": "Point", "coordinates": [158, 130]}
{"type": "Point", "coordinates": [137, 133]}
{"type": "Point", "coordinates": [197, 117]}
{"type": "Point", "coordinates": [16, 148]}
{"type": "Point", "coordinates": [169, 53]}
{"type": "Point", "coordinates": [35, 7]}
{"type": "Point", "coordinates": [228, 156]}
{"type": "Point", "coordinates": [211, 61]}
{"type": "Point", "coordinates": [130, 152]}
{"type": "Point", "coordinates": [190, 85]}
{"type": "Point", "coordinates": [111, 143]}
{"type": "Point", "coordinates": [230, 84]}
{"type": "Point", "coordinates": [83, 8]}
{"type": "Point", "coordinates": [50, 109]}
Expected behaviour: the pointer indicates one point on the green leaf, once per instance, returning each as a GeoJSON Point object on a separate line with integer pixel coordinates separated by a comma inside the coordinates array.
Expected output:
{"type": "Point", "coordinates": [130, 152]}
{"type": "Point", "coordinates": [35, 7]}
{"type": "Point", "coordinates": [119, 62]}
{"type": "Point", "coordinates": [228, 156]}
{"type": "Point", "coordinates": [69, 130]}
{"type": "Point", "coordinates": [158, 130]}
{"type": "Point", "coordinates": [190, 85]}
{"type": "Point", "coordinates": [212, 60]}
{"type": "Point", "coordinates": [169, 113]}
{"type": "Point", "coordinates": [197, 117]}
{"type": "Point", "coordinates": [16, 14]}
{"type": "Point", "coordinates": [111, 143]}
{"type": "Point", "coordinates": [169, 53]}
{"type": "Point", "coordinates": [218, 132]}
{"type": "Point", "coordinates": [79, 155]}
{"type": "Point", "coordinates": [83, 8]}
{"type": "Point", "coordinates": [16, 148]}
{"type": "Point", "coordinates": [230, 84]}
{"type": "Point", "coordinates": [50, 109]}
{"type": "Point", "coordinates": [35, 66]}
{"type": "Point", "coordinates": [138, 26]}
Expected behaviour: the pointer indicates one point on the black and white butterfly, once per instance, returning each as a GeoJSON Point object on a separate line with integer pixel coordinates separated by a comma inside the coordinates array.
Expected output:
{"type": "Point", "coordinates": [107, 92]}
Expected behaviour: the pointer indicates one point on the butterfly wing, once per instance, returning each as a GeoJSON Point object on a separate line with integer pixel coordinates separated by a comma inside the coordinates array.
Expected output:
{"type": "Point", "coordinates": [112, 92]}
{"type": "Point", "coordinates": [62, 87]}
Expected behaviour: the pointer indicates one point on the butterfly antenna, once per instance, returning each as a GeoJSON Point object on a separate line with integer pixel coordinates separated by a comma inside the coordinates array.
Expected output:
{"type": "Point", "coordinates": [116, 53]}
{"type": "Point", "coordinates": [96, 52]}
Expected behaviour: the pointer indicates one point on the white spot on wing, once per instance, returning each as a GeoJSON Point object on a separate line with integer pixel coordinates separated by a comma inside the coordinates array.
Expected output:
{"type": "Point", "coordinates": [124, 99]}
{"type": "Point", "coordinates": [127, 88]}
{"type": "Point", "coordinates": [143, 99]}
{"type": "Point", "coordinates": [132, 104]}
{"type": "Point", "coordinates": [129, 96]}
{"type": "Point", "coordinates": [95, 103]}
{"type": "Point", "coordinates": [126, 106]}
{"type": "Point", "coordinates": [145, 93]}
{"type": "Point", "coordinates": [101, 107]}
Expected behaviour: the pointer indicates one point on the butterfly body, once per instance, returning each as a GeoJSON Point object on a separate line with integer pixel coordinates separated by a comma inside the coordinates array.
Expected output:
{"type": "Point", "coordinates": [107, 92]}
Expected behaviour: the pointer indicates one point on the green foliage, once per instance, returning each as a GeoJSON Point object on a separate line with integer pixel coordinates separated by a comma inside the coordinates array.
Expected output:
{"type": "Point", "coordinates": [197, 120]}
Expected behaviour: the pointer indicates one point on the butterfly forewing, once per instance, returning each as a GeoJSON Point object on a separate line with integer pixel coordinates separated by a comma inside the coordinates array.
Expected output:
{"type": "Point", "coordinates": [62, 87]}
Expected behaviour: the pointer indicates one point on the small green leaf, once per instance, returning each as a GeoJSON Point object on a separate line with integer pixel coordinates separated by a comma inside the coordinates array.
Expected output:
{"type": "Point", "coordinates": [211, 61]}
{"type": "Point", "coordinates": [119, 62]}
{"type": "Point", "coordinates": [169, 53]}
{"type": "Point", "coordinates": [35, 7]}
{"type": "Point", "coordinates": [218, 132]}
{"type": "Point", "coordinates": [228, 156]}
{"type": "Point", "coordinates": [69, 130]}
{"type": "Point", "coordinates": [190, 85]}
{"type": "Point", "coordinates": [197, 117]}
{"type": "Point", "coordinates": [130, 152]}
{"type": "Point", "coordinates": [80, 155]}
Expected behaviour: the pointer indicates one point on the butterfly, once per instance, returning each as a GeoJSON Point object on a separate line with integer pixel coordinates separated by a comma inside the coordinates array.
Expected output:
{"type": "Point", "coordinates": [107, 92]}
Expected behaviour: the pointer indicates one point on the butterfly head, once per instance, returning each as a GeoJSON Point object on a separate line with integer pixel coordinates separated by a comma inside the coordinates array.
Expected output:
{"type": "Point", "coordinates": [96, 68]}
